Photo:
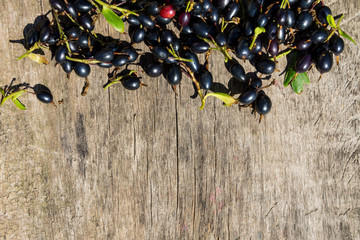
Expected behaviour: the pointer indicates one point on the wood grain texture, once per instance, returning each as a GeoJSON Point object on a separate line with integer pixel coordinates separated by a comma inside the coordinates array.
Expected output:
{"type": "Point", "coordinates": [149, 165]}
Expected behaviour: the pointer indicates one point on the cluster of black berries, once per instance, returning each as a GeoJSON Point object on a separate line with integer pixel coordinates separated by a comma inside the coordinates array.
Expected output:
{"type": "Point", "coordinates": [177, 31]}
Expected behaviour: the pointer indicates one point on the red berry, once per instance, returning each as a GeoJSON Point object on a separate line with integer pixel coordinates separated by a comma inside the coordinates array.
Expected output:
{"type": "Point", "coordinates": [167, 11]}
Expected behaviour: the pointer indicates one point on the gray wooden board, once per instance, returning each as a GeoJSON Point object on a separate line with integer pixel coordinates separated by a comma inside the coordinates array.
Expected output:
{"type": "Point", "coordinates": [118, 164]}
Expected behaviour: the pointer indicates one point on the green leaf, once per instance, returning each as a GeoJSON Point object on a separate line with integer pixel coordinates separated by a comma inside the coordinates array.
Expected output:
{"type": "Point", "coordinates": [331, 21]}
{"type": "Point", "coordinates": [113, 19]}
{"type": "Point", "coordinates": [298, 84]}
{"type": "Point", "coordinates": [338, 23]}
{"type": "Point", "coordinates": [290, 74]}
{"type": "Point", "coordinates": [345, 35]}
{"type": "Point", "coordinates": [17, 94]}
{"type": "Point", "coordinates": [19, 104]}
{"type": "Point", "coordinates": [227, 99]}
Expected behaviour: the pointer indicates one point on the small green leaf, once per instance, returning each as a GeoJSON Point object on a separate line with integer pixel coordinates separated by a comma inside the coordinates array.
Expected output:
{"type": "Point", "coordinates": [113, 19]}
{"type": "Point", "coordinates": [17, 94]}
{"type": "Point", "coordinates": [290, 74]}
{"type": "Point", "coordinates": [345, 35]}
{"type": "Point", "coordinates": [298, 84]}
{"type": "Point", "coordinates": [227, 99]}
{"type": "Point", "coordinates": [259, 30]}
{"type": "Point", "coordinates": [19, 104]}
{"type": "Point", "coordinates": [331, 21]}
{"type": "Point", "coordinates": [338, 23]}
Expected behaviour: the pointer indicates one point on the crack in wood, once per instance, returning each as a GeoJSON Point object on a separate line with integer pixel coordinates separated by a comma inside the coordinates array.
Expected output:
{"type": "Point", "coordinates": [271, 209]}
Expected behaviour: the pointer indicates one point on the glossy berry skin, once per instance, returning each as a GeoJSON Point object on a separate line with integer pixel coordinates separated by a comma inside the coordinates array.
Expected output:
{"type": "Point", "coordinates": [174, 75]}
{"type": "Point", "coordinates": [132, 54]}
{"type": "Point", "coordinates": [290, 18]}
{"type": "Point", "coordinates": [214, 16]}
{"type": "Point", "coordinates": [242, 50]}
{"type": "Point", "coordinates": [220, 39]}
{"type": "Point", "coordinates": [82, 69]}
{"type": "Point", "coordinates": [138, 35]}
{"type": "Point", "coordinates": [73, 47]}
{"type": "Point", "coordinates": [231, 11]}
{"type": "Point", "coordinates": [281, 34]}
{"type": "Point", "coordinates": [105, 64]}
{"type": "Point", "coordinates": [201, 29]}
{"type": "Point", "coordinates": [131, 83]}
{"type": "Point", "coordinates": [74, 32]}
{"type": "Point", "coordinates": [233, 36]}
{"type": "Point", "coordinates": [200, 47]}
{"type": "Point", "coordinates": [304, 21]}
{"type": "Point", "coordinates": [60, 54]}
{"type": "Point", "coordinates": [274, 48]}
{"type": "Point", "coordinates": [271, 31]}
{"type": "Point", "coordinates": [45, 34]}
{"type": "Point", "coordinates": [83, 41]}
{"type": "Point", "coordinates": [322, 14]}
{"type": "Point", "coordinates": [238, 72]}
{"type": "Point", "coordinates": [248, 29]}
{"type": "Point", "coordinates": [146, 21]}
{"type": "Point", "coordinates": [207, 5]}
{"type": "Point", "coordinates": [206, 80]}
{"type": "Point", "coordinates": [31, 37]}
{"type": "Point", "coordinates": [257, 46]}
{"type": "Point", "coordinates": [305, 4]}
{"type": "Point", "coordinates": [222, 3]}
{"type": "Point", "coordinates": [281, 16]}
{"type": "Point", "coordinates": [160, 52]}
{"type": "Point", "coordinates": [194, 65]}
{"type": "Point", "coordinates": [105, 55]}
{"type": "Point", "coordinates": [263, 104]}
{"type": "Point", "coordinates": [133, 20]}
{"type": "Point", "coordinates": [86, 22]}
{"type": "Point", "coordinates": [336, 45]}
{"type": "Point", "coordinates": [262, 20]}
{"type": "Point", "coordinates": [324, 62]}
{"type": "Point", "coordinates": [154, 69]}
{"type": "Point", "coordinates": [59, 5]}
{"type": "Point", "coordinates": [120, 60]}
{"type": "Point", "coordinates": [163, 21]}
{"type": "Point", "coordinates": [44, 96]}
{"type": "Point", "coordinates": [153, 9]}
{"type": "Point", "coordinates": [303, 63]}
{"type": "Point", "coordinates": [265, 66]}
{"type": "Point", "coordinates": [83, 6]}
{"type": "Point", "coordinates": [249, 96]}
{"type": "Point", "coordinates": [184, 18]}
{"type": "Point", "coordinates": [167, 37]}
{"type": "Point", "coordinates": [319, 36]}
{"type": "Point", "coordinates": [303, 44]}
{"type": "Point", "coordinates": [167, 11]}
{"type": "Point", "coordinates": [67, 66]}
{"type": "Point", "coordinates": [256, 83]}
{"type": "Point", "coordinates": [71, 9]}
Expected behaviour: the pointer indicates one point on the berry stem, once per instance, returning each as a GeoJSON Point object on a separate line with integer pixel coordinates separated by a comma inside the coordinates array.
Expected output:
{"type": "Point", "coordinates": [87, 61]}
{"type": "Point", "coordinates": [192, 76]}
{"type": "Point", "coordinates": [124, 11]}
{"type": "Point", "coordinates": [33, 48]}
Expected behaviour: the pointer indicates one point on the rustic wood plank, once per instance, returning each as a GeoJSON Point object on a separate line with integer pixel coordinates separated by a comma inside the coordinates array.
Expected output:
{"type": "Point", "coordinates": [149, 165]}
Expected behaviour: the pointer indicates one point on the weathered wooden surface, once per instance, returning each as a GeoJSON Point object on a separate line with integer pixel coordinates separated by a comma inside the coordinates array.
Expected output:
{"type": "Point", "coordinates": [148, 165]}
